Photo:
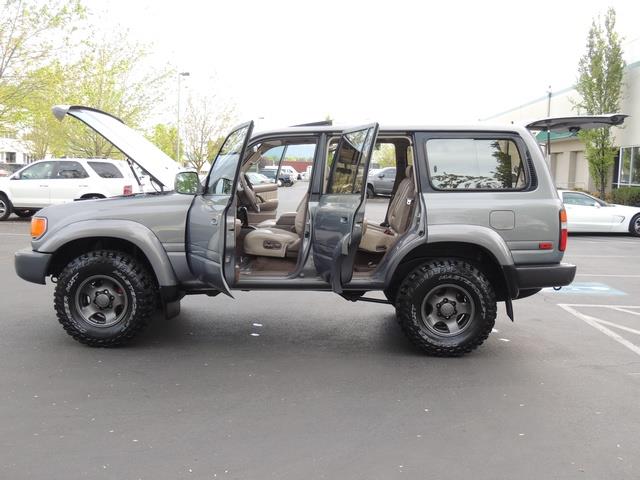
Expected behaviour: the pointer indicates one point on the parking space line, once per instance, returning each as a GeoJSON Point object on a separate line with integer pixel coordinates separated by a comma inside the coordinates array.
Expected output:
{"type": "Point", "coordinates": [620, 309]}
{"type": "Point", "coordinates": [621, 327]}
{"type": "Point", "coordinates": [598, 324]}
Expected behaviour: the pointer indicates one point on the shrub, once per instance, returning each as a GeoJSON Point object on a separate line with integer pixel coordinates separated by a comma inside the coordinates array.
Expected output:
{"type": "Point", "coordinates": [626, 196]}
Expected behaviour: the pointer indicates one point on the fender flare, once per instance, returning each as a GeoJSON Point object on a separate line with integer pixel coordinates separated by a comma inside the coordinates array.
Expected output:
{"type": "Point", "coordinates": [127, 230]}
{"type": "Point", "coordinates": [475, 235]}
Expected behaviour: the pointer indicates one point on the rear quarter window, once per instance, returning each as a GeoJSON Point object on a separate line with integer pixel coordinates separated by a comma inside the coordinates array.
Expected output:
{"type": "Point", "coordinates": [106, 170]}
{"type": "Point", "coordinates": [475, 164]}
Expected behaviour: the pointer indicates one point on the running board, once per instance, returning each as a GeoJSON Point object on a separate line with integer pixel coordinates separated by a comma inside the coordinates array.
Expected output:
{"type": "Point", "coordinates": [364, 299]}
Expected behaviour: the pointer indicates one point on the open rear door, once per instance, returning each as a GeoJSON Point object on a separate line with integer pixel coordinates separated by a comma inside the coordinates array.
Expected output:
{"type": "Point", "coordinates": [338, 222]}
{"type": "Point", "coordinates": [577, 123]}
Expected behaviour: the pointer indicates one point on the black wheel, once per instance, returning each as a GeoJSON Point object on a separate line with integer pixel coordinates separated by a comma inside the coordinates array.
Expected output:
{"type": "Point", "coordinates": [5, 207]}
{"type": "Point", "coordinates": [446, 307]}
{"type": "Point", "coordinates": [634, 225]}
{"type": "Point", "coordinates": [24, 213]}
{"type": "Point", "coordinates": [370, 192]}
{"type": "Point", "coordinates": [104, 298]}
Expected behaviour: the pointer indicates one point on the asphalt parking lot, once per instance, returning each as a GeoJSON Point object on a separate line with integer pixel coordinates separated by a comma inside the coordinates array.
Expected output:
{"type": "Point", "coordinates": [282, 385]}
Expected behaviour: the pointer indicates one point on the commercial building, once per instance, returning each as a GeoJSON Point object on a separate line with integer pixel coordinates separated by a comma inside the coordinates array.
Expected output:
{"type": "Point", "coordinates": [568, 164]}
{"type": "Point", "coordinates": [15, 151]}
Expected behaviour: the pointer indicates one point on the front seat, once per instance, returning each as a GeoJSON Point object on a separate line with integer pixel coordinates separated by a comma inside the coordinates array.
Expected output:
{"type": "Point", "coordinates": [379, 238]}
{"type": "Point", "coordinates": [277, 242]}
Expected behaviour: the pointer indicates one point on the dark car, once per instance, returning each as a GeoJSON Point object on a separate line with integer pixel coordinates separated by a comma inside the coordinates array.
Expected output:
{"type": "Point", "coordinates": [283, 178]}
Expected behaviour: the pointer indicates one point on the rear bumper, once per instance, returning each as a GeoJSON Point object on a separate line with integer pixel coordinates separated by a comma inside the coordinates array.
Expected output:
{"type": "Point", "coordinates": [535, 277]}
{"type": "Point", "coordinates": [32, 266]}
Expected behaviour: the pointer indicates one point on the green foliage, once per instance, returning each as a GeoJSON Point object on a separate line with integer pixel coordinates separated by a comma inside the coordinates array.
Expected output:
{"type": "Point", "coordinates": [31, 33]}
{"type": "Point", "coordinates": [384, 155]}
{"type": "Point", "coordinates": [165, 137]}
{"type": "Point", "coordinates": [600, 72]}
{"type": "Point", "coordinates": [626, 196]}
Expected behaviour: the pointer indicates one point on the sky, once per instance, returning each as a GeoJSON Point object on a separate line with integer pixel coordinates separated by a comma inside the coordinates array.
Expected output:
{"type": "Point", "coordinates": [402, 62]}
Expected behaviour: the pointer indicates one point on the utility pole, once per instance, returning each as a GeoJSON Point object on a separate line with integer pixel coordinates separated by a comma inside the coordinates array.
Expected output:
{"type": "Point", "coordinates": [178, 159]}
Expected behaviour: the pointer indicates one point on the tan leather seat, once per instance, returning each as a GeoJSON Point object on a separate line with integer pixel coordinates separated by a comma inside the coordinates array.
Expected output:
{"type": "Point", "coordinates": [275, 241]}
{"type": "Point", "coordinates": [377, 238]}
{"type": "Point", "coordinates": [286, 221]}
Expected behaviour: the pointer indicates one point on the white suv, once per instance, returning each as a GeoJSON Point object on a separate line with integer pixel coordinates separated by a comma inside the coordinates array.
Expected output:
{"type": "Point", "coordinates": [49, 182]}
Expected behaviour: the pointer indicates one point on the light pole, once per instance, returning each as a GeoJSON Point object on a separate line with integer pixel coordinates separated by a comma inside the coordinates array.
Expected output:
{"type": "Point", "coordinates": [180, 75]}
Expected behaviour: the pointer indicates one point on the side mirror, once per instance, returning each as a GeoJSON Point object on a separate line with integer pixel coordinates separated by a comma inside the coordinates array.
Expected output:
{"type": "Point", "coordinates": [187, 183]}
{"type": "Point", "coordinates": [596, 204]}
{"type": "Point", "coordinates": [381, 175]}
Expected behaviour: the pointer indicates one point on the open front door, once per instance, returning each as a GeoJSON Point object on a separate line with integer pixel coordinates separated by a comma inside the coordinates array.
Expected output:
{"type": "Point", "coordinates": [338, 222]}
{"type": "Point", "coordinates": [211, 222]}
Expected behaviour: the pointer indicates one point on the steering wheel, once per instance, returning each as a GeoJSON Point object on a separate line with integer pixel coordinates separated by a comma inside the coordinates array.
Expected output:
{"type": "Point", "coordinates": [249, 195]}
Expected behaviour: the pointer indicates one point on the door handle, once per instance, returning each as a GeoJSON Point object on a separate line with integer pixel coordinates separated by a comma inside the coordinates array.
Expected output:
{"type": "Point", "coordinates": [344, 219]}
{"type": "Point", "coordinates": [214, 221]}
{"type": "Point", "coordinates": [44, 185]}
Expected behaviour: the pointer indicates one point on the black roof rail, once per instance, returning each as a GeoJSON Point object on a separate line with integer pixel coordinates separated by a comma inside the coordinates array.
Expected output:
{"type": "Point", "coordinates": [323, 123]}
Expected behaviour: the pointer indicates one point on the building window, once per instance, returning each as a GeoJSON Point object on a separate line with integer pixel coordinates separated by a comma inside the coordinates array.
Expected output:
{"type": "Point", "coordinates": [10, 157]}
{"type": "Point", "coordinates": [629, 172]}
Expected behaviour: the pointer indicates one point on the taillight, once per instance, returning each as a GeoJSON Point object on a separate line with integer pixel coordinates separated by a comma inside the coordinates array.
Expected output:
{"type": "Point", "coordinates": [563, 231]}
{"type": "Point", "coordinates": [38, 227]}
{"type": "Point", "coordinates": [127, 190]}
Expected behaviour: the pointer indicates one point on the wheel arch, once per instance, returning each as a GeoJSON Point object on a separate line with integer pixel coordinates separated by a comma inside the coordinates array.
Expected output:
{"type": "Point", "coordinates": [127, 236]}
{"type": "Point", "coordinates": [479, 255]}
{"type": "Point", "coordinates": [96, 194]}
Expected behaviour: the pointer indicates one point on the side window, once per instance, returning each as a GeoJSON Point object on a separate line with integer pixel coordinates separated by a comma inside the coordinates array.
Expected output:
{"type": "Point", "coordinates": [347, 173]}
{"type": "Point", "coordinates": [571, 198]}
{"type": "Point", "coordinates": [475, 164]}
{"type": "Point", "coordinates": [223, 170]}
{"type": "Point", "coordinates": [70, 170]}
{"type": "Point", "coordinates": [384, 155]}
{"type": "Point", "coordinates": [39, 171]}
{"type": "Point", "coordinates": [106, 170]}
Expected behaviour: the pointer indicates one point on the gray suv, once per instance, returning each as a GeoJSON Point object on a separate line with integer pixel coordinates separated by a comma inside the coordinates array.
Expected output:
{"type": "Point", "coordinates": [474, 219]}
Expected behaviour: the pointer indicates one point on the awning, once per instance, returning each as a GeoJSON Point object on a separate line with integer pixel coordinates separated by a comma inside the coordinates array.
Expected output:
{"type": "Point", "coordinates": [554, 136]}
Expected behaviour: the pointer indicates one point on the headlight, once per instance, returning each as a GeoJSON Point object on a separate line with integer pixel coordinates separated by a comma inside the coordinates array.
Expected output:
{"type": "Point", "coordinates": [38, 227]}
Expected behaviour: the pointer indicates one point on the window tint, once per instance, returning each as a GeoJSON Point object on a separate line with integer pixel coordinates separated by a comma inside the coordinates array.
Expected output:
{"type": "Point", "coordinates": [39, 171]}
{"type": "Point", "coordinates": [67, 170]}
{"type": "Point", "coordinates": [572, 198]}
{"type": "Point", "coordinates": [106, 170]}
{"type": "Point", "coordinates": [475, 164]}
{"type": "Point", "coordinates": [347, 175]}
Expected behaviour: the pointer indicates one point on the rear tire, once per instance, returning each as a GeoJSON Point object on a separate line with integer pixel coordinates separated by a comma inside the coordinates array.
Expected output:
{"type": "Point", "coordinates": [634, 225]}
{"type": "Point", "coordinates": [104, 298]}
{"type": "Point", "coordinates": [446, 307]}
{"type": "Point", "coordinates": [5, 207]}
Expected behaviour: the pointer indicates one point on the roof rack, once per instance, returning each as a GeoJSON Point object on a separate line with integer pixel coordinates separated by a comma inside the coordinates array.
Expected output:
{"type": "Point", "coordinates": [323, 123]}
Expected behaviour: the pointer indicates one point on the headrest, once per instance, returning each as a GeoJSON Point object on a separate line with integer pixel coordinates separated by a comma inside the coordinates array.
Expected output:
{"type": "Point", "coordinates": [409, 172]}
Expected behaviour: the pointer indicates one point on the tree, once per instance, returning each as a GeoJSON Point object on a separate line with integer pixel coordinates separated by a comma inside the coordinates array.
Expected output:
{"type": "Point", "coordinates": [165, 137]}
{"type": "Point", "coordinates": [206, 122]}
{"type": "Point", "coordinates": [31, 33]}
{"type": "Point", "coordinates": [600, 74]}
{"type": "Point", "coordinates": [111, 75]}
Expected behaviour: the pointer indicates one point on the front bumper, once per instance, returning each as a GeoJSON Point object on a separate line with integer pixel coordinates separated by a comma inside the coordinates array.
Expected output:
{"type": "Point", "coordinates": [32, 266]}
{"type": "Point", "coordinates": [536, 277]}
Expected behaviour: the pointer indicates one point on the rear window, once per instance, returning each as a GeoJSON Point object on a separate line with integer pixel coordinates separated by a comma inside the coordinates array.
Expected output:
{"type": "Point", "coordinates": [106, 170]}
{"type": "Point", "coordinates": [475, 164]}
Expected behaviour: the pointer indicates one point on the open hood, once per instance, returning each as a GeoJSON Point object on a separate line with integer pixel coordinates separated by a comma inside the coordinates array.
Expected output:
{"type": "Point", "coordinates": [577, 123]}
{"type": "Point", "coordinates": [138, 149]}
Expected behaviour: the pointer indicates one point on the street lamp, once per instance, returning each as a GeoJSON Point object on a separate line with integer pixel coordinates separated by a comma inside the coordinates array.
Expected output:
{"type": "Point", "coordinates": [180, 75]}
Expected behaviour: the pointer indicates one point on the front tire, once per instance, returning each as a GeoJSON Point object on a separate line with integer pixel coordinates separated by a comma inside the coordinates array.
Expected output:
{"type": "Point", "coordinates": [104, 298]}
{"type": "Point", "coordinates": [370, 192]}
{"type": "Point", "coordinates": [446, 307]}
{"type": "Point", "coordinates": [5, 207]}
{"type": "Point", "coordinates": [634, 225]}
